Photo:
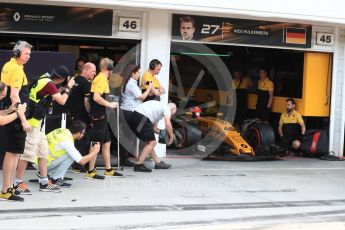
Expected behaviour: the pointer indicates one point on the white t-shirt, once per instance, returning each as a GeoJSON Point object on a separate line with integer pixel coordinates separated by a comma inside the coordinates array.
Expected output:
{"type": "Point", "coordinates": [130, 95]}
{"type": "Point", "coordinates": [154, 110]}
{"type": "Point", "coordinates": [70, 149]}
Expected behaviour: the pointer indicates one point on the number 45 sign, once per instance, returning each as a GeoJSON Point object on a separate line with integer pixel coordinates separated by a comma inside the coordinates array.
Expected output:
{"type": "Point", "coordinates": [129, 24]}
{"type": "Point", "coordinates": [324, 39]}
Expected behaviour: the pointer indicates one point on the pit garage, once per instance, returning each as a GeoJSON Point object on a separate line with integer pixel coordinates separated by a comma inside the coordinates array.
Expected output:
{"type": "Point", "coordinates": [202, 73]}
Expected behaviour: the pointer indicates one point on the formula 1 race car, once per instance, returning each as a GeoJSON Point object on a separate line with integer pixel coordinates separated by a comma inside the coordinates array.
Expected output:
{"type": "Point", "coordinates": [215, 136]}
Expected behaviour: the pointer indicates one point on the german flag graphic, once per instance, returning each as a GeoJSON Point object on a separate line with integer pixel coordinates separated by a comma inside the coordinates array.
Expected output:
{"type": "Point", "coordinates": [295, 35]}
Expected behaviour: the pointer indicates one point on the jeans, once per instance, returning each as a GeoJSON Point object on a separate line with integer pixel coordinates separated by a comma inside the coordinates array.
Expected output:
{"type": "Point", "coordinates": [58, 168]}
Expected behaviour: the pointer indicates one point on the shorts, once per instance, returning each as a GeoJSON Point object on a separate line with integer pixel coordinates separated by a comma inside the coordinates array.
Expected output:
{"type": "Point", "coordinates": [142, 127]}
{"type": "Point", "coordinates": [100, 131]}
{"type": "Point", "coordinates": [36, 145]}
{"type": "Point", "coordinates": [15, 137]}
{"type": "Point", "coordinates": [127, 115]}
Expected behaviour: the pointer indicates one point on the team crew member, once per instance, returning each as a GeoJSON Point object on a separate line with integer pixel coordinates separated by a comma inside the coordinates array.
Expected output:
{"type": "Point", "coordinates": [14, 77]}
{"type": "Point", "coordinates": [101, 132]}
{"type": "Point", "coordinates": [291, 124]}
{"type": "Point", "coordinates": [42, 92]}
{"type": "Point", "coordinates": [313, 143]}
{"type": "Point", "coordinates": [62, 152]}
{"type": "Point", "coordinates": [265, 96]}
{"type": "Point", "coordinates": [78, 106]}
{"type": "Point", "coordinates": [12, 113]}
{"type": "Point", "coordinates": [144, 122]}
{"type": "Point", "coordinates": [151, 76]}
{"type": "Point", "coordinates": [132, 97]}
{"type": "Point", "coordinates": [241, 84]}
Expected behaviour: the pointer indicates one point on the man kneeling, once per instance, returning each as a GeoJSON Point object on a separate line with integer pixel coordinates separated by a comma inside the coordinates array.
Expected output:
{"type": "Point", "coordinates": [62, 152]}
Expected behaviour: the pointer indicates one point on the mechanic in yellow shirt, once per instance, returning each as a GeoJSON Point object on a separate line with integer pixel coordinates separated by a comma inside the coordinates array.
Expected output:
{"type": "Point", "coordinates": [13, 75]}
{"type": "Point", "coordinates": [291, 124]}
{"type": "Point", "coordinates": [151, 76]}
{"type": "Point", "coordinates": [100, 131]}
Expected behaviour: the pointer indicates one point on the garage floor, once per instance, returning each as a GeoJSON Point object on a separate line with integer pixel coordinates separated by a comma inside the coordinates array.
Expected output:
{"type": "Point", "coordinates": [194, 194]}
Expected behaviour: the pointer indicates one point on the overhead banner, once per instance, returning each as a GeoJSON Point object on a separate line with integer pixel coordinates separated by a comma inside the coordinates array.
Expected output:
{"type": "Point", "coordinates": [240, 31]}
{"type": "Point", "coordinates": [55, 19]}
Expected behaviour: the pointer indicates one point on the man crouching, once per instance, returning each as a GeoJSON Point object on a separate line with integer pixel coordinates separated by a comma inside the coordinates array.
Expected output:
{"type": "Point", "coordinates": [62, 152]}
{"type": "Point", "coordinates": [143, 122]}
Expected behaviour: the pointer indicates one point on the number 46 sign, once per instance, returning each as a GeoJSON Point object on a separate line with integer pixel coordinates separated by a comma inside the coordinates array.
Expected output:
{"type": "Point", "coordinates": [129, 24]}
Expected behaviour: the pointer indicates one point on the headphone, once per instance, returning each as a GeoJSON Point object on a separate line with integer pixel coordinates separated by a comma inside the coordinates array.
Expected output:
{"type": "Point", "coordinates": [16, 51]}
{"type": "Point", "coordinates": [110, 67]}
{"type": "Point", "coordinates": [154, 63]}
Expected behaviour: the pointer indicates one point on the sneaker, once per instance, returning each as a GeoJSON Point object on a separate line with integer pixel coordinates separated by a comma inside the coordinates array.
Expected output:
{"type": "Point", "coordinates": [75, 170]}
{"type": "Point", "coordinates": [112, 173]}
{"type": "Point", "coordinates": [67, 178]}
{"type": "Point", "coordinates": [49, 188]}
{"type": "Point", "coordinates": [61, 183]}
{"type": "Point", "coordinates": [141, 168]}
{"type": "Point", "coordinates": [162, 165]}
{"type": "Point", "coordinates": [10, 196]}
{"type": "Point", "coordinates": [22, 188]}
{"type": "Point", "coordinates": [78, 169]}
{"type": "Point", "coordinates": [94, 175]}
{"type": "Point", "coordinates": [14, 191]}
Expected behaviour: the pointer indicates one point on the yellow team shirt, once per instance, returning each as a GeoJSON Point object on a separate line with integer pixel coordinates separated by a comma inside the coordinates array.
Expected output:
{"type": "Point", "coordinates": [149, 77]}
{"type": "Point", "coordinates": [100, 84]}
{"type": "Point", "coordinates": [13, 75]}
{"type": "Point", "coordinates": [294, 118]}
{"type": "Point", "coordinates": [265, 85]}
{"type": "Point", "coordinates": [245, 83]}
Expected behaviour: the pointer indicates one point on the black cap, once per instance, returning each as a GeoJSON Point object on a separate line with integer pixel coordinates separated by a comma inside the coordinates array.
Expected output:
{"type": "Point", "coordinates": [61, 72]}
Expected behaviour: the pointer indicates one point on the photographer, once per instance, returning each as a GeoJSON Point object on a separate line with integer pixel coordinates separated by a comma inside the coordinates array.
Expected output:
{"type": "Point", "coordinates": [62, 152]}
{"type": "Point", "coordinates": [42, 92]}
{"type": "Point", "coordinates": [12, 113]}
{"type": "Point", "coordinates": [143, 123]}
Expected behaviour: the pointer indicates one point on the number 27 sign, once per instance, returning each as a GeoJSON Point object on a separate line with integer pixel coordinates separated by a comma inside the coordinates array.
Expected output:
{"type": "Point", "coordinates": [129, 24]}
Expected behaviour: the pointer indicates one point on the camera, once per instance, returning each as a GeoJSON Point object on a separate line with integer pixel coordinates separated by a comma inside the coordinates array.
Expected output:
{"type": "Point", "coordinates": [93, 143]}
{"type": "Point", "coordinates": [163, 137]}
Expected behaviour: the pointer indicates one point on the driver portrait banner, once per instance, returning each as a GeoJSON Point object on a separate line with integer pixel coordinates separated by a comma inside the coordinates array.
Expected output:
{"type": "Point", "coordinates": [55, 19]}
{"type": "Point", "coordinates": [240, 31]}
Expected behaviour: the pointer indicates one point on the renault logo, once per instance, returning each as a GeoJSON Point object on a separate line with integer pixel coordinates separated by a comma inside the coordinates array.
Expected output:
{"type": "Point", "coordinates": [16, 16]}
